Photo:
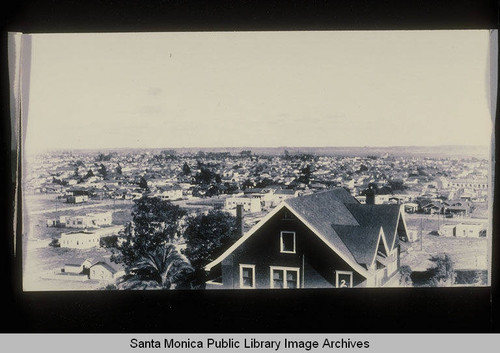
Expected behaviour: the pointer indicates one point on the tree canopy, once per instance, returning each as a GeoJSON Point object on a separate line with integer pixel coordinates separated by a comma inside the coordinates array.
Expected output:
{"type": "Point", "coordinates": [149, 252]}
{"type": "Point", "coordinates": [208, 235]}
{"type": "Point", "coordinates": [443, 273]}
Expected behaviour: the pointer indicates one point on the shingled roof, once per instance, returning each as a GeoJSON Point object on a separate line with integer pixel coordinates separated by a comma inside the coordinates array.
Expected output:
{"type": "Point", "coordinates": [352, 229]}
{"type": "Point", "coordinates": [346, 224]}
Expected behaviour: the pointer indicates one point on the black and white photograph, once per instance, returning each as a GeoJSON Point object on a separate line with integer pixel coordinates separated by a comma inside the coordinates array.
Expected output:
{"type": "Point", "coordinates": [254, 160]}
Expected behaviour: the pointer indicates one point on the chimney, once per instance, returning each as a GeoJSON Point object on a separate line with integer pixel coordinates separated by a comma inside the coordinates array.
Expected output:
{"type": "Point", "coordinates": [239, 221]}
{"type": "Point", "coordinates": [370, 196]}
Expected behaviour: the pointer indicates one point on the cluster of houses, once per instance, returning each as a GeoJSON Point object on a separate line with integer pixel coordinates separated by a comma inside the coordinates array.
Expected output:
{"type": "Point", "coordinates": [96, 268]}
{"type": "Point", "coordinates": [79, 177]}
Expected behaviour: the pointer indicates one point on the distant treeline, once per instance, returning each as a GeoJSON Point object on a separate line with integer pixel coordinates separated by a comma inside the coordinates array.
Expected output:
{"type": "Point", "coordinates": [445, 151]}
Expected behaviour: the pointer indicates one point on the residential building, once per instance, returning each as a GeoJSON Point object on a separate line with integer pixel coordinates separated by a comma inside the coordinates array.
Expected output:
{"type": "Point", "coordinates": [250, 204]}
{"type": "Point", "coordinates": [90, 220]}
{"type": "Point", "coordinates": [327, 239]}
{"type": "Point", "coordinates": [85, 239]}
{"type": "Point", "coordinates": [462, 230]}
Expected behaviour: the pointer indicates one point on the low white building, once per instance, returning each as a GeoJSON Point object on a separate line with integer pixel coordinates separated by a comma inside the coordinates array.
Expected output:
{"type": "Point", "coordinates": [77, 199]}
{"type": "Point", "coordinates": [90, 220]}
{"type": "Point", "coordinates": [169, 193]}
{"type": "Point", "coordinates": [80, 240]}
{"type": "Point", "coordinates": [250, 204]}
{"type": "Point", "coordinates": [469, 230]}
{"type": "Point", "coordinates": [462, 230]}
{"type": "Point", "coordinates": [86, 239]}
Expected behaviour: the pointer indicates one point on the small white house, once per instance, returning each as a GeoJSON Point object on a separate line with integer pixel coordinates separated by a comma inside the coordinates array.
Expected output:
{"type": "Point", "coordinates": [469, 230]}
{"type": "Point", "coordinates": [73, 266]}
{"type": "Point", "coordinates": [170, 193]}
{"type": "Point", "coordinates": [462, 230]}
{"type": "Point", "coordinates": [410, 207]}
{"type": "Point", "coordinates": [102, 271]}
{"type": "Point", "coordinates": [77, 199]}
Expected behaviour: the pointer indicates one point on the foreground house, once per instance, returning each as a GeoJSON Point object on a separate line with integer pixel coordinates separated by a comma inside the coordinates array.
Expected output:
{"type": "Point", "coordinates": [323, 240]}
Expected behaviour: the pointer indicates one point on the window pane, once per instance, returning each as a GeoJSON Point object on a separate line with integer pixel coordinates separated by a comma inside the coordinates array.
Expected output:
{"type": "Point", "coordinates": [247, 276]}
{"type": "Point", "coordinates": [288, 241]}
{"type": "Point", "coordinates": [291, 276]}
{"type": "Point", "coordinates": [278, 283]}
{"type": "Point", "coordinates": [278, 274]}
{"type": "Point", "coordinates": [291, 279]}
{"type": "Point", "coordinates": [246, 272]}
{"type": "Point", "coordinates": [278, 278]}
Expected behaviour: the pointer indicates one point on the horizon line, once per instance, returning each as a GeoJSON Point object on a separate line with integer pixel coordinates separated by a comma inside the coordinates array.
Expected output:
{"type": "Point", "coordinates": [262, 147]}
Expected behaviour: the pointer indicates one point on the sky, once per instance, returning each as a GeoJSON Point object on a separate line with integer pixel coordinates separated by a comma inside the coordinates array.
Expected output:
{"type": "Point", "coordinates": [259, 89]}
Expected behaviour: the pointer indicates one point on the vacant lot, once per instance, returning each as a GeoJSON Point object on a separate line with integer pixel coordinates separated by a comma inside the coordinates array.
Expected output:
{"type": "Point", "coordinates": [45, 259]}
{"type": "Point", "coordinates": [467, 253]}
{"type": "Point", "coordinates": [431, 223]}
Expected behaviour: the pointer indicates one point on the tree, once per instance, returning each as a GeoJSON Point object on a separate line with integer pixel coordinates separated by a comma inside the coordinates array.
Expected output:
{"type": "Point", "coordinates": [305, 175]}
{"type": "Point", "coordinates": [149, 252]}
{"type": "Point", "coordinates": [405, 272]}
{"type": "Point", "coordinates": [186, 170]}
{"type": "Point", "coordinates": [89, 174]}
{"type": "Point", "coordinates": [208, 236]}
{"type": "Point", "coordinates": [55, 243]}
{"type": "Point", "coordinates": [118, 169]}
{"type": "Point", "coordinates": [109, 241]}
{"type": "Point", "coordinates": [103, 171]}
{"type": "Point", "coordinates": [443, 273]}
{"type": "Point", "coordinates": [143, 183]}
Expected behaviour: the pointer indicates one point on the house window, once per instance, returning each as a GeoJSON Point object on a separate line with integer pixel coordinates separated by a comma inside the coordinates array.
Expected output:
{"type": "Point", "coordinates": [247, 276]}
{"type": "Point", "coordinates": [287, 242]}
{"type": "Point", "coordinates": [343, 279]}
{"type": "Point", "coordinates": [284, 277]}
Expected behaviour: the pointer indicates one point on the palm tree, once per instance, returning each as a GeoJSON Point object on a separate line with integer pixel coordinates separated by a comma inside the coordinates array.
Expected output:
{"type": "Point", "coordinates": [163, 268]}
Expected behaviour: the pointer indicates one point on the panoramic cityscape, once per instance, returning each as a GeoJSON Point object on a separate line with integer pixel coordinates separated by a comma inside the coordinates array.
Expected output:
{"type": "Point", "coordinates": [81, 208]}
{"type": "Point", "coordinates": [256, 160]}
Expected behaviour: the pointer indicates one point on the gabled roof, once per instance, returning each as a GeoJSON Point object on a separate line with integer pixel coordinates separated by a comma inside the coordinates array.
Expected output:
{"type": "Point", "coordinates": [385, 216]}
{"type": "Point", "coordinates": [360, 241]}
{"type": "Point", "coordinates": [349, 228]}
{"type": "Point", "coordinates": [106, 266]}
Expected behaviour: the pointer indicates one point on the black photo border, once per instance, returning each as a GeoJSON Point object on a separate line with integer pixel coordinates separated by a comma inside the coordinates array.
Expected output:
{"type": "Point", "coordinates": [415, 310]}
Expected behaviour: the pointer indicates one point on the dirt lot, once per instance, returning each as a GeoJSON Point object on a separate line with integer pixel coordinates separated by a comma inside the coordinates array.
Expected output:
{"type": "Point", "coordinates": [40, 259]}
{"type": "Point", "coordinates": [467, 253]}
{"type": "Point", "coordinates": [47, 260]}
